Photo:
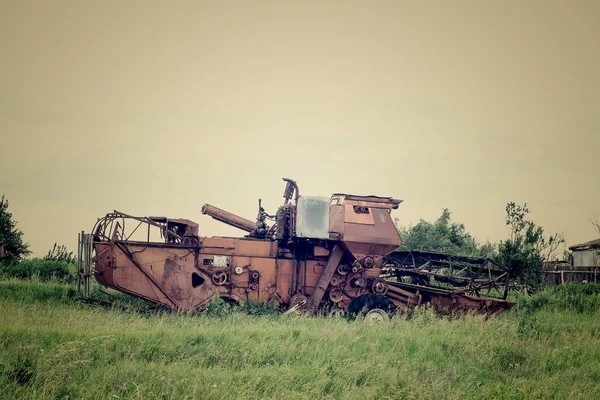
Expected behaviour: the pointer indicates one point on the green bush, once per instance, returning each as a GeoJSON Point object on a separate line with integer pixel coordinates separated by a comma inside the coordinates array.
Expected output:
{"type": "Point", "coordinates": [44, 270]}
{"type": "Point", "coordinates": [574, 297]}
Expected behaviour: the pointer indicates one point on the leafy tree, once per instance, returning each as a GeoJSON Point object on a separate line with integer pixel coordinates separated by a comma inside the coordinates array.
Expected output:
{"type": "Point", "coordinates": [12, 247]}
{"type": "Point", "coordinates": [526, 249]}
{"type": "Point", "coordinates": [443, 236]}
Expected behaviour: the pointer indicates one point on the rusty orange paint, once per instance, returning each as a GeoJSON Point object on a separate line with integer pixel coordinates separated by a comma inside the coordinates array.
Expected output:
{"type": "Point", "coordinates": [272, 263]}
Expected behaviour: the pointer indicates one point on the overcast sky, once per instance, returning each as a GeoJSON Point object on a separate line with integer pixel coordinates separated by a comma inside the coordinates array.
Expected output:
{"type": "Point", "coordinates": [157, 107]}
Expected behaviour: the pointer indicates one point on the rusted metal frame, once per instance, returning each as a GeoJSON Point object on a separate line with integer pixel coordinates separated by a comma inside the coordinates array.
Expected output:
{"type": "Point", "coordinates": [427, 264]}
{"type": "Point", "coordinates": [277, 297]}
{"type": "Point", "coordinates": [295, 274]}
{"type": "Point", "coordinates": [97, 225]}
{"type": "Point", "coordinates": [418, 293]}
{"type": "Point", "coordinates": [433, 274]}
{"type": "Point", "coordinates": [98, 255]}
{"type": "Point", "coordinates": [303, 268]}
{"type": "Point", "coordinates": [128, 254]}
{"type": "Point", "coordinates": [477, 276]}
{"type": "Point", "coordinates": [301, 272]}
{"type": "Point", "coordinates": [394, 258]}
{"type": "Point", "coordinates": [334, 260]}
{"type": "Point", "coordinates": [490, 285]}
{"type": "Point", "coordinates": [101, 228]}
{"type": "Point", "coordinates": [112, 218]}
{"type": "Point", "coordinates": [203, 303]}
{"type": "Point", "coordinates": [136, 228]}
{"type": "Point", "coordinates": [122, 226]}
{"type": "Point", "coordinates": [462, 270]}
{"type": "Point", "coordinates": [115, 233]}
{"type": "Point", "coordinates": [431, 290]}
{"type": "Point", "coordinates": [426, 289]}
{"type": "Point", "coordinates": [439, 264]}
{"type": "Point", "coordinates": [162, 245]}
{"type": "Point", "coordinates": [276, 272]}
{"type": "Point", "coordinates": [502, 267]}
{"type": "Point", "coordinates": [397, 293]}
{"type": "Point", "coordinates": [483, 285]}
{"type": "Point", "coordinates": [406, 301]}
{"type": "Point", "coordinates": [428, 273]}
{"type": "Point", "coordinates": [490, 276]}
{"type": "Point", "coordinates": [110, 229]}
{"type": "Point", "coordinates": [150, 222]}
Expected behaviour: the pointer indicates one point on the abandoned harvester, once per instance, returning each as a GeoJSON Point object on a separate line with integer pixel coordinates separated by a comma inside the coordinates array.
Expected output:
{"type": "Point", "coordinates": [335, 254]}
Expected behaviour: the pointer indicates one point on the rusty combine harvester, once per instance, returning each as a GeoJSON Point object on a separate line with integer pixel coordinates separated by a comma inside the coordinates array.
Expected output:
{"type": "Point", "coordinates": [336, 255]}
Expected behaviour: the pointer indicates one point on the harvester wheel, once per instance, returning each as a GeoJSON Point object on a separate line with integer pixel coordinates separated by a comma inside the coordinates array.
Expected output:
{"type": "Point", "coordinates": [337, 312]}
{"type": "Point", "coordinates": [297, 299]}
{"type": "Point", "coordinates": [377, 315]}
{"type": "Point", "coordinates": [297, 302]}
{"type": "Point", "coordinates": [365, 303]}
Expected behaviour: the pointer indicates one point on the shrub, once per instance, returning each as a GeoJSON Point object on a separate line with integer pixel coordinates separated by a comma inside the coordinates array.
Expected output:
{"type": "Point", "coordinates": [60, 253]}
{"type": "Point", "coordinates": [574, 297]}
{"type": "Point", "coordinates": [43, 270]}
{"type": "Point", "coordinates": [527, 248]}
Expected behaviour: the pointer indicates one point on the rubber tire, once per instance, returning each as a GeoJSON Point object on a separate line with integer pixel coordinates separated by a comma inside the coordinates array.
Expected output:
{"type": "Point", "coordinates": [367, 302]}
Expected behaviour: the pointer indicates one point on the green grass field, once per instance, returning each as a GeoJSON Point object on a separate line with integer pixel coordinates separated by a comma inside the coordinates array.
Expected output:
{"type": "Point", "coordinates": [53, 345]}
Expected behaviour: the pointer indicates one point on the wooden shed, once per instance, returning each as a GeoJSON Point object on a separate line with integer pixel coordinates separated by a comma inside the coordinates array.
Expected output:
{"type": "Point", "coordinates": [586, 254]}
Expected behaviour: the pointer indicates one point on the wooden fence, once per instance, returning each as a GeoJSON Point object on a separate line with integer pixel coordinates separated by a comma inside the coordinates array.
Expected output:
{"type": "Point", "coordinates": [561, 272]}
{"type": "Point", "coordinates": [84, 263]}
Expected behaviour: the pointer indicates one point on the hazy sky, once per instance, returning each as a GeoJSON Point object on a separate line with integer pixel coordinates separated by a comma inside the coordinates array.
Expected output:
{"type": "Point", "coordinates": [157, 107]}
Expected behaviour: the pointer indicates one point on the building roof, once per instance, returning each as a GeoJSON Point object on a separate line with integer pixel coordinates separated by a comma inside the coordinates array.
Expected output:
{"type": "Point", "coordinates": [593, 244]}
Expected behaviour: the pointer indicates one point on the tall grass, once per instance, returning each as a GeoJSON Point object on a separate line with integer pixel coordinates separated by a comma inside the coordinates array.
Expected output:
{"type": "Point", "coordinates": [53, 345]}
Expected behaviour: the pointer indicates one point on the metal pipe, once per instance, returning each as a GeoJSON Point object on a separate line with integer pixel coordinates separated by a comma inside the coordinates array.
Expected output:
{"type": "Point", "coordinates": [229, 218]}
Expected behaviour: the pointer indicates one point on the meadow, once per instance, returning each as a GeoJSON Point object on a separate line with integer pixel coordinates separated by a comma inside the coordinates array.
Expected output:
{"type": "Point", "coordinates": [54, 345]}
